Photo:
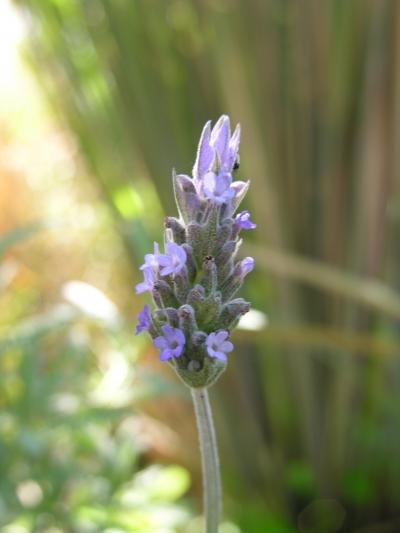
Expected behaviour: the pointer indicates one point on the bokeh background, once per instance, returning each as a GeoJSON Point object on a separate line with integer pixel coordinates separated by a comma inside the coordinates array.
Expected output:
{"type": "Point", "coordinates": [99, 100]}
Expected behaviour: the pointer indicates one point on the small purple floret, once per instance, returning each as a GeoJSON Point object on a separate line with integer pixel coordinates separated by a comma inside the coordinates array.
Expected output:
{"type": "Point", "coordinates": [150, 270]}
{"type": "Point", "coordinates": [150, 260]}
{"type": "Point", "coordinates": [173, 260]}
{"type": "Point", "coordinates": [217, 187]}
{"type": "Point", "coordinates": [149, 280]}
{"type": "Point", "coordinates": [217, 345]}
{"type": "Point", "coordinates": [217, 144]}
{"type": "Point", "coordinates": [144, 319]}
{"type": "Point", "coordinates": [194, 280]}
{"type": "Point", "coordinates": [171, 343]}
{"type": "Point", "coordinates": [247, 265]}
{"type": "Point", "coordinates": [243, 221]}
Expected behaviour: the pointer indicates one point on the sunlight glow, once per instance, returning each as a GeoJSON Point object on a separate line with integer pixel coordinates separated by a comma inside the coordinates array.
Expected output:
{"type": "Point", "coordinates": [29, 493]}
{"type": "Point", "coordinates": [11, 33]}
{"type": "Point", "coordinates": [91, 301]}
{"type": "Point", "coordinates": [253, 321]}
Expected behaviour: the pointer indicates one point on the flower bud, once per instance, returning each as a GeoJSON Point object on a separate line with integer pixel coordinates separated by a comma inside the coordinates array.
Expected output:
{"type": "Point", "coordinates": [202, 373]}
{"type": "Point", "coordinates": [235, 280]}
{"type": "Point", "coordinates": [163, 295]}
{"type": "Point", "coordinates": [169, 315]}
{"type": "Point", "coordinates": [187, 320]}
{"type": "Point", "coordinates": [224, 260]}
{"type": "Point", "coordinates": [209, 280]}
{"type": "Point", "coordinates": [197, 294]}
{"type": "Point", "coordinates": [196, 351]}
{"type": "Point", "coordinates": [223, 234]}
{"type": "Point", "coordinates": [207, 309]}
{"type": "Point", "coordinates": [231, 312]}
{"type": "Point", "coordinates": [186, 197]}
{"type": "Point", "coordinates": [241, 188]}
{"type": "Point", "coordinates": [181, 285]}
{"type": "Point", "coordinates": [190, 262]}
{"type": "Point", "coordinates": [210, 229]}
{"type": "Point", "coordinates": [195, 238]}
{"type": "Point", "coordinates": [176, 228]}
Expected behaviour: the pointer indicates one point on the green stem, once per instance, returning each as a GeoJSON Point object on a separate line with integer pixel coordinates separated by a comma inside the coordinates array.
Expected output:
{"type": "Point", "coordinates": [209, 459]}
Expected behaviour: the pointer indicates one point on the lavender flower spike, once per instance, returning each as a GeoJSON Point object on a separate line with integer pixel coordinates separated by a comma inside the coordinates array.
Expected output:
{"type": "Point", "coordinates": [171, 344]}
{"type": "Point", "coordinates": [218, 346]}
{"type": "Point", "coordinates": [193, 285]}
{"type": "Point", "coordinates": [194, 281]}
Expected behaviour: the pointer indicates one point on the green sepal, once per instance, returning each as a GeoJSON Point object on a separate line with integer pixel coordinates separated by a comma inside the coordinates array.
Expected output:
{"type": "Point", "coordinates": [205, 376]}
{"type": "Point", "coordinates": [195, 238]}
{"type": "Point", "coordinates": [181, 285]}
{"type": "Point", "coordinates": [163, 295]}
{"type": "Point", "coordinates": [209, 279]}
{"type": "Point", "coordinates": [231, 313]}
{"type": "Point", "coordinates": [168, 315]}
{"type": "Point", "coordinates": [207, 310]}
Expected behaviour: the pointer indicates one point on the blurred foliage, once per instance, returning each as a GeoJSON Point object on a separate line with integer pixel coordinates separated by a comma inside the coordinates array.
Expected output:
{"type": "Point", "coordinates": [71, 437]}
{"type": "Point", "coordinates": [316, 87]}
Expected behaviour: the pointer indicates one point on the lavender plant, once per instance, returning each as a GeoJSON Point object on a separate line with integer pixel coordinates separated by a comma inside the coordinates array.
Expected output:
{"type": "Point", "coordinates": [194, 282]}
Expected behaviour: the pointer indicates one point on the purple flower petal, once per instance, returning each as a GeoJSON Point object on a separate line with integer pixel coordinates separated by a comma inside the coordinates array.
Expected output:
{"type": "Point", "coordinates": [233, 148]}
{"type": "Point", "coordinates": [144, 319]}
{"type": "Point", "coordinates": [149, 280]}
{"type": "Point", "coordinates": [220, 336]}
{"type": "Point", "coordinates": [247, 265]}
{"type": "Point", "coordinates": [173, 260]}
{"type": "Point", "coordinates": [243, 221]}
{"type": "Point", "coordinates": [217, 346]}
{"type": "Point", "coordinates": [166, 354]}
{"type": "Point", "coordinates": [220, 137]}
{"type": "Point", "coordinates": [219, 355]}
{"type": "Point", "coordinates": [217, 150]}
{"type": "Point", "coordinates": [160, 343]}
{"type": "Point", "coordinates": [226, 346]}
{"type": "Point", "coordinates": [172, 334]}
{"type": "Point", "coordinates": [171, 343]}
{"type": "Point", "coordinates": [150, 260]}
{"type": "Point", "coordinates": [240, 187]}
{"type": "Point", "coordinates": [217, 187]}
{"type": "Point", "coordinates": [205, 153]}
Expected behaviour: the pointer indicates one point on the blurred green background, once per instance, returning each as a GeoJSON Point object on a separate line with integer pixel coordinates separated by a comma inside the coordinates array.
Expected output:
{"type": "Point", "coordinates": [96, 435]}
